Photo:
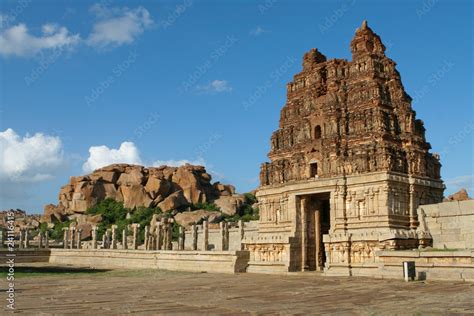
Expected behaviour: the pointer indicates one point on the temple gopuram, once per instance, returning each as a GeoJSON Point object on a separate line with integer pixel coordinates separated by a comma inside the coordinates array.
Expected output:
{"type": "Point", "coordinates": [349, 166]}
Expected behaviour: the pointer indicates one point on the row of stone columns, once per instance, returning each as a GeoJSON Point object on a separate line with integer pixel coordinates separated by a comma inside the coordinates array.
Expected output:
{"type": "Point", "coordinates": [72, 237]}
{"type": "Point", "coordinates": [162, 237]}
{"type": "Point", "coordinates": [24, 239]}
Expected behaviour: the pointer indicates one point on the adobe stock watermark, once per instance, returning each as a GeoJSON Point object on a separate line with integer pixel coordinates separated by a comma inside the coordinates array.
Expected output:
{"type": "Point", "coordinates": [426, 7]}
{"type": "Point", "coordinates": [433, 80]}
{"type": "Point", "coordinates": [273, 78]}
{"type": "Point", "coordinates": [266, 6]}
{"type": "Point", "coordinates": [331, 19]}
{"type": "Point", "coordinates": [115, 74]}
{"type": "Point", "coordinates": [44, 62]}
{"type": "Point", "coordinates": [10, 261]}
{"type": "Point", "coordinates": [146, 126]}
{"type": "Point", "coordinates": [174, 15]}
{"type": "Point", "coordinates": [10, 17]}
{"type": "Point", "coordinates": [458, 138]}
{"type": "Point", "coordinates": [204, 67]}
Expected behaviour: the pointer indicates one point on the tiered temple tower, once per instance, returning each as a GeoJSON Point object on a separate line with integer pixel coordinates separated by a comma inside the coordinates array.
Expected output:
{"type": "Point", "coordinates": [349, 166]}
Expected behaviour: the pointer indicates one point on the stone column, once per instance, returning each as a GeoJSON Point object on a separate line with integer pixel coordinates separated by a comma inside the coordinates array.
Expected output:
{"type": "Point", "coordinates": [1, 238]}
{"type": "Point", "coordinates": [194, 234]}
{"type": "Point", "coordinates": [303, 234]}
{"type": "Point", "coordinates": [104, 241]}
{"type": "Point", "coordinates": [181, 238]}
{"type": "Point", "coordinates": [159, 236]}
{"type": "Point", "coordinates": [107, 238]}
{"type": "Point", "coordinates": [79, 238]}
{"type": "Point", "coordinates": [46, 240]}
{"type": "Point", "coordinates": [226, 236]}
{"type": "Point", "coordinates": [22, 238]}
{"type": "Point", "coordinates": [135, 235]}
{"type": "Point", "coordinates": [40, 240]}
{"type": "Point", "coordinates": [241, 233]}
{"type": "Point", "coordinates": [145, 240]}
{"type": "Point", "coordinates": [94, 237]}
{"type": "Point", "coordinates": [114, 237]}
{"type": "Point", "coordinates": [124, 238]}
{"type": "Point", "coordinates": [66, 237]}
{"type": "Point", "coordinates": [71, 237]}
{"type": "Point", "coordinates": [169, 238]}
{"type": "Point", "coordinates": [27, 238]}
{"type": "Point", "coordinates": [412, 210]}
{"type": "Point", "coordinates": [221, 227]}
{"type": "Point", "coordinates": [317, 230]}
{"type": "Point", "coordinates": [205, 236]}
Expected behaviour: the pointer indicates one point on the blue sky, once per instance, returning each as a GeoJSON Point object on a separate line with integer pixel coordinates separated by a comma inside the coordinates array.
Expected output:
{"type": "Point", "coordinates": [88, 83]}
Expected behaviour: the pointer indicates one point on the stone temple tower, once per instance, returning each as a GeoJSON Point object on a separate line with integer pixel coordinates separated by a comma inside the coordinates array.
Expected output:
{"type": "Point", "coordinates": [349, 165]}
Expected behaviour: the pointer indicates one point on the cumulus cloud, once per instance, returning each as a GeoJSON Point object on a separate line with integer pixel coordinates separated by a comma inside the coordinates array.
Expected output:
{"type": "Point", "coordinates": [117, 26]}
{"type": "Point", "coordinates": [178, 163]}
{"type": "Point", "coordinates": [29, 158]}
{"type": "Point", "coordinates": [455, 184]}
{"type": "Point", "coordinates": [100, 156]}
{"type": "Point", "coordinates": [18, 41]}
{"type": "Point", "coordinates": [216, 86]}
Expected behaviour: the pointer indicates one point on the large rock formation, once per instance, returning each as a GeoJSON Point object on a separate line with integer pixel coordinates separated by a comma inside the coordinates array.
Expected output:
{"type": "Point", "coordinates": [461, 195]}
{"type": "Point", "coordinates": [169, 188]}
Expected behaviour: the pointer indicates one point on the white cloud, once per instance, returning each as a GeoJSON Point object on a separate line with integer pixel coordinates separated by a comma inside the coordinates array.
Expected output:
{"type": "Point", "coordinates": [466, 182]}
{"type": "Point", "coordinates": [18, 41]}
{"type": "Point", "coordinates": [30, 158]}
{"type": "Point", "coordinates": [100, 156]}
{"type": "Point", "coordinates": [178, 163]}
{"type": "Point", "coordinates": [257, 31]}
{"type": "Point", "coordinates": [117, 26]}
{"type": "Point", "coordinates": [216, 86]}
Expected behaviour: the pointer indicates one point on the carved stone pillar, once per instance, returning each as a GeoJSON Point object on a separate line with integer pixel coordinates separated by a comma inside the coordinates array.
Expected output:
{"type": "Point", "coordinates": [71, 237]}
{"type": "Point", "coordinates": [124, 238]}
{"type": "Point", "coordinates": [159, 236]}
{"type": "Point", "coordinates": [226, 236]}
{"type": "Point", "coordinates": [135, 236]}
{"type": "Point", "coordinates": [241, 233]}
{"type": "Point", "coordinates": [94, 237]}
{"type": "Point", "coordinates": [412, 208]}
{"type": "Point", "coordinates": [27, 238]}
{"type": "Point", "coordinates": [40, 240]}
{"type": "Point", "coordinates": [79, 238]}
{"type": "Point", "coordinates": [169, 238]}
{"type": "Point", "coordinates": [65, 237]}
{"type": "Point", "coordinates": [304, 265]}
{"type": "Point", "coordinates": [221, 227]}
{"type": "Point", "coordinates": [205, 236]}
{"type": "Point", "coordinates": [22, 238]}
{"type": "Point", "coordinates": [145, 239]}
{"type": "Point", "coordinates": [46, 240]}
{"type": "Point", "coordinates": [194, 235]}
{"type": "Point", "coordinates": [104, 241]}
{"type": "Point", "coordinates": [181, 238]}
{"type": "Point", "coordinates": [114, 237]}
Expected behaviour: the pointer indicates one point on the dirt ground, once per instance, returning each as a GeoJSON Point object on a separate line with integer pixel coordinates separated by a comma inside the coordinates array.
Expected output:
{"type": "Point", "coordinates": [155, 292]}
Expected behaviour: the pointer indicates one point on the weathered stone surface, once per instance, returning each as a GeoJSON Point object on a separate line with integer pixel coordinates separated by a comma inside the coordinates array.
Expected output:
{"type": "Point", "coordinates": [189, 218]}
{"type": "Point", "coordinates": [461, 195]}
{"type": "Point", "coordinates": [230, 204]}
{"type": "Point", "coordinates": [137, 186]}
{"type": "Point", "coordinates": [173, 202]}
{"type": "Point", "coordinates": [135, 195]}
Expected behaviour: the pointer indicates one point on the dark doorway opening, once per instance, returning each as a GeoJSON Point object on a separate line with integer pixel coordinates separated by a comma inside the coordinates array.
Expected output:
{"type": "Point", "coordinates": [317, 215]}
{"type": "Point", "coordinates": [313, 169]}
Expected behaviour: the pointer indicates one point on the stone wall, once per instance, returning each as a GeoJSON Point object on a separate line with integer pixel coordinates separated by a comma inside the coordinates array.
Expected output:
{"type": "Point", "coordinates": [451, 224]}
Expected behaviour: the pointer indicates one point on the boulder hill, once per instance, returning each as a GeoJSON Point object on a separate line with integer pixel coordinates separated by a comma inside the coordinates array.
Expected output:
{"type": "Point", "coordinates": [168, 188]}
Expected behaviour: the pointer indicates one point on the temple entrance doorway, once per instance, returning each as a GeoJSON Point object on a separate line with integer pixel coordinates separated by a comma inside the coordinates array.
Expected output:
{"type": "Point", "coordinates": [315, 223]}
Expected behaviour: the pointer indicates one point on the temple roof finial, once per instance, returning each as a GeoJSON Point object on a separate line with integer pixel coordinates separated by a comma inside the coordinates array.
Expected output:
{"type": "Point", "coordinates": [364, 24]}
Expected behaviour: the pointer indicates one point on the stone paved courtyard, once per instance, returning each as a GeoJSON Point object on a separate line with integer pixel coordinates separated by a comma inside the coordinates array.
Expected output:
{"type": "Point", "coordinates": [161, 292]}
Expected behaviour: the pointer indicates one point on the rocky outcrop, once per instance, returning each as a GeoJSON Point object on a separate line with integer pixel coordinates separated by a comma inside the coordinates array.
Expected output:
{"type": "Point", "coordinates": [195, 217]}
{"type": "Point", "coordinates": [230, 205]}
{"type": "Point", "coordinates": [170, 188]}
{"type": "Point", "coordinates": [461, 195]}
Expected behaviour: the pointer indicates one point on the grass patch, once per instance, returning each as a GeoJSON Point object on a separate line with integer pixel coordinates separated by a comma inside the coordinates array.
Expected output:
{"type": "Point", "coordinates": [27, 272]}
